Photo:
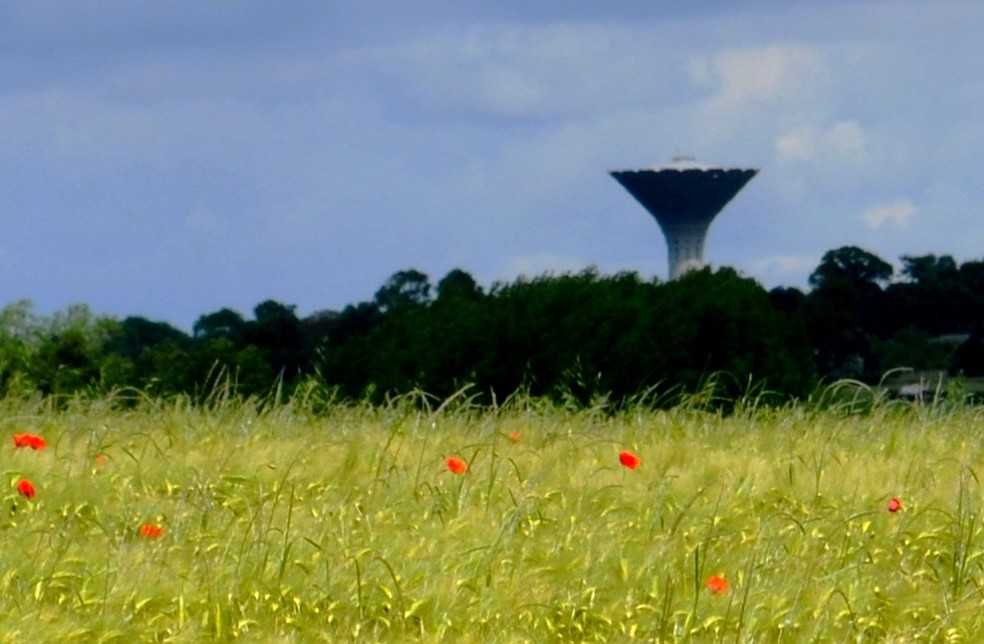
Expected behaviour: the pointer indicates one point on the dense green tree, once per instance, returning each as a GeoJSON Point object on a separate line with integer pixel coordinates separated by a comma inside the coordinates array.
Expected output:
{"type": "Point", "coordinates": [972, 275]}
{"type": "Point", "coordinates": [138, 333]}
{"type": "Point", "coordinates": [222, 323]}
{"type": "Point", "coordinates": [727, 324]}
{"type": "Point", "coordinates": [913, 348]}
{"type": "Point", "coordinates": [354, 321]}
{"type": "Point", "coordinates": [968, 360]}
{"type": "Point", "coordinates": [933, 295]}
{"type": "Point", "coordinates": [72, 346]}
{"type": "Point", "coordinates": [847, 309]}
{"type": "Point", "coordinates": [403, 289]}
{"type": "Point", "coordinates": [854, 266]}
{"type": "Point", "coordinates": [788, 300]}
{"type": "Point", "coordinates": [578, 336]}
{"type": "Point", "coordinates": [457, 286]}
{"type": "Point", "coordinates": [205, 367]}
{"type": "Point", "coordinates": [279, 335]}
{"type": "Point", "coordinates": [18, 341]}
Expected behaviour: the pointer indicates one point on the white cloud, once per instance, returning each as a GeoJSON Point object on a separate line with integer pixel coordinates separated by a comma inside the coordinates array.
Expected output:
{"type": "Point", "coordinates": [797, 145]}
{"type": "Point", "coordinates": [755, 91]}
{"type": "Point", "coordinates": [843, 143]}
{"type": "Point", "coordinates": [774, 74]}
{"type": "Point", "coordinates": [898, 213]}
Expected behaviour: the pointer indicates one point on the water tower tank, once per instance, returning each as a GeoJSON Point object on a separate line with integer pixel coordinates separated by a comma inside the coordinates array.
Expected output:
{"type": "Point", "coordinates": [684, 198]}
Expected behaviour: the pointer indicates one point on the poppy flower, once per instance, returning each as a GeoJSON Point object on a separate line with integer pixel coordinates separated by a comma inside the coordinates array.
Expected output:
{"type": "Point", "coordinates": [457, 465]}
{"type": "Point", "coordinates": [629, 460]}
{"type": "Point", "coordinates": [717, 584]}
{"type": "Point", "coordinates": [26, 489]}
{"type": "Point", "coordinates": [151, 530]}
{"type": "Point", "coordinates": [513, 437]}
{"type": "Point", "coordinates": [100, 459]}
{"type": "Point", "coordinates": [33, 441]}
{"type": "Point", "coordinates": [894, 505]}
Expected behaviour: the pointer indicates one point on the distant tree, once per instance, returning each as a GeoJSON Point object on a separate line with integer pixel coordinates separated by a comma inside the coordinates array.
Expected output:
{"type": "Point", "coordinates": [279, 334]}
{"type": "Point", "coordinates": [577, 337]}
{"type": "Point", "coordinates": [852, 266]}
{"type": "Point", "coordinates": [70, 354]}
{"type": "Point", "coordinates": [972, 274]}
{"type": "Point", "coordinates": [317, 328]}
{"type": "Point", "coordinates": [847, 309]}
{"type": "Point", "coordinates": [726, 323]}
{"type": "Point", "coordinates": [972, 277]}
{"type": "Point", "coordinates": [934, 295]}
{"type": "Point", "coordinates": [458, 285]}
{"type": "Point", "coordinates": [273, 311]}
{"type": "Point", "coordinates": [19, 335]}
{"type": "Point", "coordinates": [787, 299]}
{"type": "Point", "coordinates": [914, 348]}
{"type": "Point", "coordinates": [402, 289]}
{"type": "Point", "coordinates": [929, 269]}
{"type": "Point", "coordinates": [968, 360]}
{"type": "Point", "coordinates": [354, 320]}
{"type": "Point", "coordinates": [222, 323]}
{"type": "Point", "coordinates": [138, 333]}
{"type": "Point", "coordinates": [321, 322]}
{"type": "Point", "coordinates": [123, 363]}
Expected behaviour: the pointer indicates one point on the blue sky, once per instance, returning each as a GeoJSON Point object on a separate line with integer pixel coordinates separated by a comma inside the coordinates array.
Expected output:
{"type": "Point", "coordinates": [170, 159]}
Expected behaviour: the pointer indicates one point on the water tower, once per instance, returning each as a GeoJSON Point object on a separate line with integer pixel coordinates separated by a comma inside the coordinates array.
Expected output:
{"type": "Point", "coordinates": [684, 198]}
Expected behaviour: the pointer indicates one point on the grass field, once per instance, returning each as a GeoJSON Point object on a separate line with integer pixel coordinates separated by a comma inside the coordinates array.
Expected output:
{"type": "Point", "coordinates": [173, 522]}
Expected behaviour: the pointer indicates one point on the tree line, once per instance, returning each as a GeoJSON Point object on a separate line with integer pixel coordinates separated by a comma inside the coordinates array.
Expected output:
{"type": "Point", "coordinates": [575, 336]}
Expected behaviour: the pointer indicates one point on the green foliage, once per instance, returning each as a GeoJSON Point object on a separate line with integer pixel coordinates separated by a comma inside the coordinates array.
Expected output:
{"type": "Point", "coordinates": [851, 267]}
{"type": "Point", "coordinates": [969, 357]}
{"type": "Point", "coordinates": [458, 285]}
{"type": "Point", "coordinates": [845, 310]}
{"type": "Point", "coordinates": [18, 342]}
{"type": "Point", "coordinates": [280, 337]}
{"type": "Point", "coordinates": [577, 336]}
{"type": "Point", "coordinates": [862, 325]}
{"type": "Point", "coordinates": [404, 289]}
{"type": "Point", "coordinates": [912, 346]}
{"type": "Point", "coordinates": [581, 339]}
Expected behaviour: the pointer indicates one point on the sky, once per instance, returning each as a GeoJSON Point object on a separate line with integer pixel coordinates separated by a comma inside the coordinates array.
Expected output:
{"type": "Point", "coordinates": [170, 159]}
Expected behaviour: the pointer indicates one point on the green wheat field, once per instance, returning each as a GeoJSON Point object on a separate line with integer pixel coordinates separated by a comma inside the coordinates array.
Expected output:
{"type": "Point", "coordinates": [294, 522]}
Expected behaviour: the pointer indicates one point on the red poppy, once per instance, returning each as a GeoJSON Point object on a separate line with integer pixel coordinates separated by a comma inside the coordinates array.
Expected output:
{"type": "Point", "coordinates": [514, 437]}
{"type": "Point", "coordinates": [29, 440]}
{"type": "Point", "coordinates": [26, 489]}
{"type": "Point", "coordinates": [457, 465]}
{"type": "Point", "coordinates": [717, 584]}
{"type": "Point", "coordinates": [151, 530]}
{"type": "Point", "coordinates": [100, 459]}
{"type": "Point", "coordinates": [629, 460]}
{"type": "Point", "coordinates": [894, 505]}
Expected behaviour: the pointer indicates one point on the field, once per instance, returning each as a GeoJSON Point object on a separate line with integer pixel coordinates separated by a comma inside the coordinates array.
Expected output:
{"type": "Point", "coordinates": [235, 521]}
